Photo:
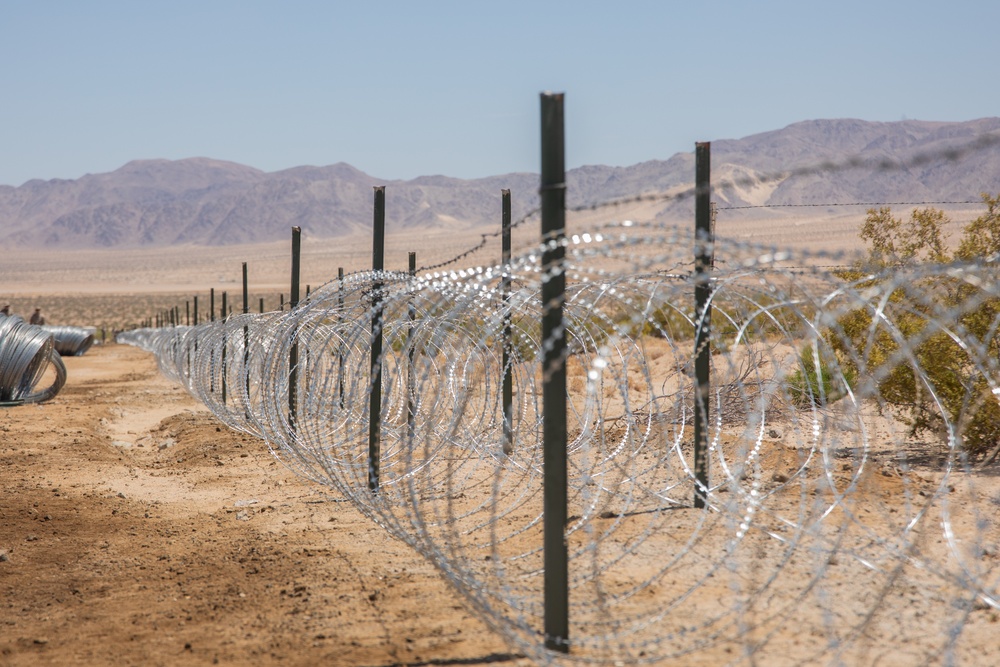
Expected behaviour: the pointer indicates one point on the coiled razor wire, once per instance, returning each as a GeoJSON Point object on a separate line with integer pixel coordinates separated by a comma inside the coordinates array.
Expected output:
{"type": "Point", "coordinates": [26, 353]}
{"type": "Point", "coordinates": [830, 535]}
{"type": "Point", "coordinates": [71, 341]}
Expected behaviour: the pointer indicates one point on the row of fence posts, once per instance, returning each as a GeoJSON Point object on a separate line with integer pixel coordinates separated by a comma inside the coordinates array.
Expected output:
{"type": "Point", "coordinates": [172, 316]}
{"type": "Point", "coordinates": [552, 191]}
{"type": "Point", "coordinates": [377, 325]}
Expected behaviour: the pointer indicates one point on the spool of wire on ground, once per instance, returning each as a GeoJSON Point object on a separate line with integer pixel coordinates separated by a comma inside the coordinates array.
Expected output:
{"type": "Point", "coordinates": [26, 351]}
{"type": "Point", "coordinates": [71, 341]}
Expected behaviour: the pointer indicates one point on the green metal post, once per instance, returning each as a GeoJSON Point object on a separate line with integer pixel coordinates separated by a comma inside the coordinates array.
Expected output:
{"type": "Point", "coordinates": [411, 388]}
{"type": "Point", "coordinates": [246, 334]}
{"type": "Point", "coordinates": [508, 380]}
{"type": "Point", "coordinates": [225, 338]}
{"type": "Point", "coordinates": [293, 353]}
{"type": "Point", "coordinates": [211, 351]}
{"type": "Point", "coordinates": [554, 457]}
{"type": "Point", "coordinates": [194, 316]}
{"type": "Point", "coordinates": [703, 315]}
{"type": "Point", "coordinates": [375, 396]}
{"type": "Point", "coordinates": [340, 348]}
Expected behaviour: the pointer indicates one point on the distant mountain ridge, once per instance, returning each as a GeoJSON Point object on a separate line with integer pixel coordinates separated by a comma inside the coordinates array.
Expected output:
{"type": "Point", "coordinates": [212, 202]}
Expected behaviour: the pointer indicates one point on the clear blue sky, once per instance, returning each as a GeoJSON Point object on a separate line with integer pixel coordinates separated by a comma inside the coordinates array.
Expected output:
{"type": "Point", "coordinates": [402, 89]}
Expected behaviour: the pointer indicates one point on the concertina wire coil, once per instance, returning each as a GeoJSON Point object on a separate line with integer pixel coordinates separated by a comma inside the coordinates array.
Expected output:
{"type": "Point", "coordinates": [830, 535]}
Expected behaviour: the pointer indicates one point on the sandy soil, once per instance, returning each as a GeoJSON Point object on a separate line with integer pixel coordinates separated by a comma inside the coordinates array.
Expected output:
{"type": "Point", "coordinates": [134, 530]}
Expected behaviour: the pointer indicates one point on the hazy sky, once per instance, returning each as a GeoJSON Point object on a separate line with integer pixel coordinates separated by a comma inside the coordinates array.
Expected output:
{"type": "Point", "coordinates": [402, 89]}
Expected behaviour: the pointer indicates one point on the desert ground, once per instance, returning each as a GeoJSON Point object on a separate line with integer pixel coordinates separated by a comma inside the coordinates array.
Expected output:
{"type": "Point", "coordinates": [135, 529]}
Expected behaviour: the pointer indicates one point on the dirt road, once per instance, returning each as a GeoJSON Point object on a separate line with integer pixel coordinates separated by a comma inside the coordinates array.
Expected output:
{"type": "Point", "coordinates": [135, 530]}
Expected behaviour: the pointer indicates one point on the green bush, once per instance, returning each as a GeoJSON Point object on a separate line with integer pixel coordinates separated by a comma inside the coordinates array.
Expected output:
{"type": "Point", "coordinates": [938, 382]}
{"type": "Point", "coordinates": [818, 385]}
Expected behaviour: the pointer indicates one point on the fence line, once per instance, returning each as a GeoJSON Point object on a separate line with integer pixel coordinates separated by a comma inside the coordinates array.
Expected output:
{"type": "Point", "coordinates": [795, 474]}
{"type": "Point", "coordinates": [830, 530]}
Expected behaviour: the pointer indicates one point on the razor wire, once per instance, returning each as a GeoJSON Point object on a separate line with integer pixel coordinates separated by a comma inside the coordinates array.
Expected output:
{"type": "Point", "coordinates": [26, 353]}
{"type": "Point", "coordinates": [831, 533]}
{"type": "Point", "coordinates": [71, 341]}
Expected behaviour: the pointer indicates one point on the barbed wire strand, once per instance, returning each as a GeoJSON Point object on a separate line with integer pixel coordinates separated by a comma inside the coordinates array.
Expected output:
{"type": "Point", "coordinates": [855, 162]}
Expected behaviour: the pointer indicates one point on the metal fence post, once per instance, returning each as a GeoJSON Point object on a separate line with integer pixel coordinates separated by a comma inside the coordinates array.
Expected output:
{"type": "Point", "coordinates": [225, 338]}
{"type": "Point", "coordinates": [194, 320]}
{"type": "Point", "coordinates": [703, 318]}
{"type": "Point", "coordinates": [293, 352]}
{"type": "Point", "coordinates": [411, 388]}
{"type": "Point", "coordinates": [211, 351]}
{"type": "Point", "coordinates": [340, 348]}
{"type": "Point", "coordinates": [553, 195]}
{"type": "Point", "coordinates": [508, 380]}
{"type": "Point", "coordinates": [375, 396]}
{"type": "Point", "coordinates": [246, 334]}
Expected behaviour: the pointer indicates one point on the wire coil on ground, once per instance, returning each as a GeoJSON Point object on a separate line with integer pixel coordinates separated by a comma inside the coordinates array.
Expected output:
{"type": "Point", "coordinates": [71, 341]}
{"type": "Point", "coordinates": [26, 352]}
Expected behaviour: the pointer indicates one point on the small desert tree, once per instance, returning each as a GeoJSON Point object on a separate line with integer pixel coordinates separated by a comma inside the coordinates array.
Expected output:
{"type": "Point", "coordinates": [947, 325]}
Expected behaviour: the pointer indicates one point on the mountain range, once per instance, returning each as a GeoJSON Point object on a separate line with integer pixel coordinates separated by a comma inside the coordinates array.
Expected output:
{"type": "Point", "coordinates": [210, 202]}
